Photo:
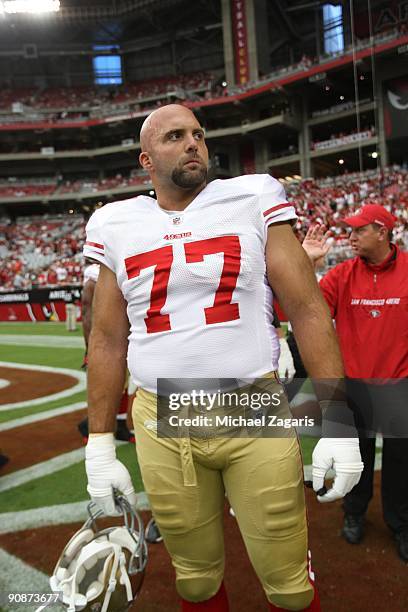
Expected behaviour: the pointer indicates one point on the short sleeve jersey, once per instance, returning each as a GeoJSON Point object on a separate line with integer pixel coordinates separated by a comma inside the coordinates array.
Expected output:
{"type": "Point", "coordinates": [91, 272]}
{"type": "Point", "coordinates": [198, 299]}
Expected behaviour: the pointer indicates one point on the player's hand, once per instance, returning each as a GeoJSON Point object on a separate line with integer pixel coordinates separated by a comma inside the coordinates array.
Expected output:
{"type": "Point", "coordinates": [316, 242]}
{"type": "Point", "coordinates": [286, 367]}
{"type": "Point", "coordinates": [105, 472]}
{"type": "Point", "coordinates": [343, 454]}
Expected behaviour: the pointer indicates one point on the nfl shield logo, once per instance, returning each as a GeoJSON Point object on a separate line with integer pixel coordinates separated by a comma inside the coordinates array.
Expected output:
{"type": "Point", "coordinates": [177, 220]}
{"type": "Point", "coordinates": [375, 313]}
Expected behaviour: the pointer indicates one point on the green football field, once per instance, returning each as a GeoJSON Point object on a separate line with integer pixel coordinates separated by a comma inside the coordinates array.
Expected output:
{"type": "Point", "coordinates": [66, 484]}
{"type": "Point", "coordinates": [44, 329]}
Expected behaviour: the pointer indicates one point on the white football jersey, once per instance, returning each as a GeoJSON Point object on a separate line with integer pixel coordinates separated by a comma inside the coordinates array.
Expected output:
{"type": "Point", "coordinates": [199, 303]}
{"type": "Point", "coordinates": [91, 272]}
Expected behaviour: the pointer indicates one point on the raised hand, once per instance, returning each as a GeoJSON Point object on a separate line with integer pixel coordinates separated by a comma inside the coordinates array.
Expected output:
{"type": "Point", "coordinates": [316, 242]}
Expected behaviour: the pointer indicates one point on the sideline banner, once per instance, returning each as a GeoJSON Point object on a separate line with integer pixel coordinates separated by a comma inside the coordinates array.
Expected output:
{"type": "Point", "coordinates": [38, 304]}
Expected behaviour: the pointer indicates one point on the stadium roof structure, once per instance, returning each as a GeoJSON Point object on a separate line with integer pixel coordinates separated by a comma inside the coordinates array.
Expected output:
{"type": "Point", "coordinates": [291, 27]}
{"type": "Point", "coordinates": [306, 111]}
{"type": "Point", "coordinates": [78, 25]}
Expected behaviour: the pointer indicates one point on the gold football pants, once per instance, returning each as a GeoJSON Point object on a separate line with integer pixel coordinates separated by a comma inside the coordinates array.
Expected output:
{"type": "Point", "coordinates": [186, 482]}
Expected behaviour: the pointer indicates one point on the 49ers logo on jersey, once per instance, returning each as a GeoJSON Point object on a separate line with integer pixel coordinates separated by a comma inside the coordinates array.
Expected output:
{"type": "Point", "coordinates": [177, 236]}
{"type": "Point", "coordinates": [161, 259]}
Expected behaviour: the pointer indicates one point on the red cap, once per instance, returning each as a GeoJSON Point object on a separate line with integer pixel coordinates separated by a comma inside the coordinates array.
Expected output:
{"type": "Point", "coordinates": [372, 213]}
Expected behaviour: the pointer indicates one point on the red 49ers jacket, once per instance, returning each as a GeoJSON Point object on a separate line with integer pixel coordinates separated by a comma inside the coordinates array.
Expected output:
{"type": "Point", "coordinates": [369, 304]}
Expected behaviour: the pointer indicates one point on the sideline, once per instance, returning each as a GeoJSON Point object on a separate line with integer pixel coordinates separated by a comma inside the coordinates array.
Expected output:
{"type": "Point", "coordinates": [77, 374]}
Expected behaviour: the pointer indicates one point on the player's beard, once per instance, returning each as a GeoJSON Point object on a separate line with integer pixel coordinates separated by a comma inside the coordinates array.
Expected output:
{"type": "Point", "coordinates": [187, 179]}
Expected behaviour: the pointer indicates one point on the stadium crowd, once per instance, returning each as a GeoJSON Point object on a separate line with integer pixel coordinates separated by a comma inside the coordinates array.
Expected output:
{"type": "Point", "coordinates": [328, 201]}
{"type": "Point", "coordinates": [41, 252]}
{"type": "Point", "coordinates": [46, 251]}
{"type": "Point", "coordinates": [15, 188]}
{"type": "Point", "coordinates": [82, 98]}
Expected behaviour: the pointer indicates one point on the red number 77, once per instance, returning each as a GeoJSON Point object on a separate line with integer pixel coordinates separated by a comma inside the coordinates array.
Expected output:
{"type": "Point", "coordinates": [161, 259]}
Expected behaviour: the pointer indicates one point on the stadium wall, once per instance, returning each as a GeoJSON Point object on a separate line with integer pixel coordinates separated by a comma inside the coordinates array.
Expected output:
{"type": "Point", "coordinates": [39, 304]}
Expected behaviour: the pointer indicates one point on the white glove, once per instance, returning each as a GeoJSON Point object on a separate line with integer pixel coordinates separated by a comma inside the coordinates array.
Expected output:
{"type": "Point", "coordinates": [286, 367]}
{"type": "Point", "coordinates": [343, 454]}
{"type": "Point", "coordinates": [105, 472]}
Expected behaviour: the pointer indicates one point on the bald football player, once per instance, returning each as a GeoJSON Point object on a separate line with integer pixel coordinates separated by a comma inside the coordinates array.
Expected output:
{"type": "Point", "coordinates": [190, 274]}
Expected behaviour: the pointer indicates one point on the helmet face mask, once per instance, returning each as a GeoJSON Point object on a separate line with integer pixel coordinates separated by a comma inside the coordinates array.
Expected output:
{"type": "Point", "coordinates": [102, 570]}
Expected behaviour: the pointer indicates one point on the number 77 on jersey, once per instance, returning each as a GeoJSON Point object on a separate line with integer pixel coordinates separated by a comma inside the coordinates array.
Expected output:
{"type": "Point", "coordinates": [161, 259]}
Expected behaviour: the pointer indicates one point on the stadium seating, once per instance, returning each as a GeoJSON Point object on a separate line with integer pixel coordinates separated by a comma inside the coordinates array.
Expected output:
{"type": "Point", "coordinates": [22, 190]}
{"type": "Point", "coordinates": [19, 189]}
{"type": "Point", "coordinates": [73, 99]}
{"type": "Point", "coordinates": [64, 98]}
{"type": "Point", "coordinates": [37, 250]}
{"type": "Point", "coordinates": [44, 251]}
{"type": "Point", "coordinates": [328, 201]}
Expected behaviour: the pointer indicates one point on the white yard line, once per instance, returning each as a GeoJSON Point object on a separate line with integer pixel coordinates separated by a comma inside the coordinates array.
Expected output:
{"type": "Point", "coordinates": [79, 376]}
{"type": "Point", "coordinates": [53, 515]}
{"type": "Point", "coordinates": [41, 517]}
{"type": "Point", "coordinates": [39, 470]}
{"type": "Point", "coordinates": [42, 341]}
{"type": "Point", "coordinates": [44, 468]}
{"type": "Point", "coordinates": [42, 416]}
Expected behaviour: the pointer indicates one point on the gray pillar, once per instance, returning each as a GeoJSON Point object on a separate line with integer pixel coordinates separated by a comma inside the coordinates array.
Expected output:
{"type": "Point", "coordinates": [228, 42]}
{"type": "Point", "coordinates": [234, 160]}
{"type": "Point", "coordinates": [317, 30]}
{"type": "Point", "coordinates": [252, 40]}
{"type": "Point", "coordinates": [304, 143]}
{"type": "Point", "coordinates": [379, 111]}
{"type": "Point", "coordinates": [346, 24]}
{"type": "Point", "coordinates": [261, 155]}
{"type": "Point", "coordinates": [262, 36]}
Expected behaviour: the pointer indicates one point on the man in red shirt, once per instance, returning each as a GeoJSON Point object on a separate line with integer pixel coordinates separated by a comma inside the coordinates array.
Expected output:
{"type": "Point", "coordinates": [368, 299]}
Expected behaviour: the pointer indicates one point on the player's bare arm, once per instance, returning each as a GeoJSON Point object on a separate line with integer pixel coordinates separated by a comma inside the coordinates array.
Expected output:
{"type": "Point", "coordinates": [107, 353]}
{"type": "Point", "coordinates": [86, 303]}
{"type": "Point", "coordinates": [291, 276]}
{"type": "Point", "coordinates": [292, 279]}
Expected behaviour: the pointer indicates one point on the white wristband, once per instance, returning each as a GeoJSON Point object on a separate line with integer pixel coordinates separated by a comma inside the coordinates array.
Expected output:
{"type": "Point", "coordinates": [100, 447]}
{"type": "Point", "coordinates": [101, 439]}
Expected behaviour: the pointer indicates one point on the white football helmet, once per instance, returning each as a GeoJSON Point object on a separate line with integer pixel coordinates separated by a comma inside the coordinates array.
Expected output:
{"type": "Point", "coordinates": [102, 570]}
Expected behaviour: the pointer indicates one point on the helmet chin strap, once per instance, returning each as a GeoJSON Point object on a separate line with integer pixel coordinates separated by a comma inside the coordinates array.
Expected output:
{"type": "Point", "coordinates": [124, 578]}
{"type": "Point", "coordinates": [112, 577]}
